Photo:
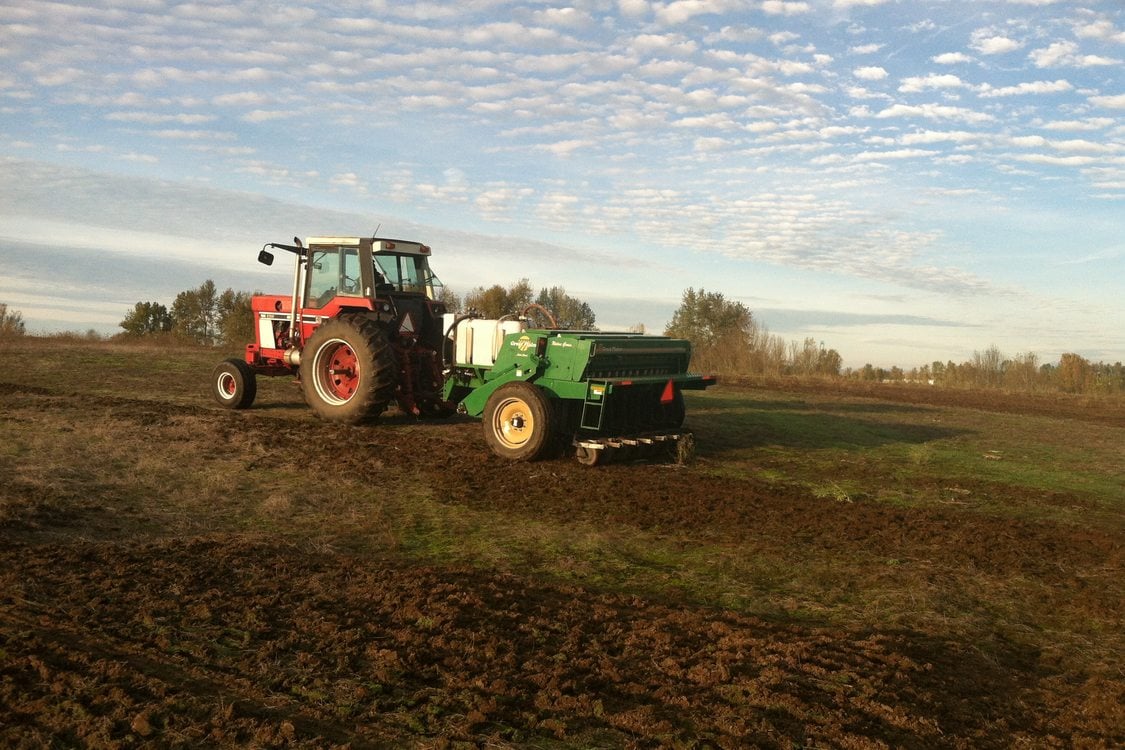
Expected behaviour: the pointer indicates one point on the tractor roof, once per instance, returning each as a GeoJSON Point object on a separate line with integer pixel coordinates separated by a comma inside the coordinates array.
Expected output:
{"type": "Point", "coordinates": [377, 244]}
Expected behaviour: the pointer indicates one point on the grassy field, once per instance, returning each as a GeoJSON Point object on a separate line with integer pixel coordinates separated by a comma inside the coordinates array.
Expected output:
{"type": "Point", "coordinates": [891, 571]}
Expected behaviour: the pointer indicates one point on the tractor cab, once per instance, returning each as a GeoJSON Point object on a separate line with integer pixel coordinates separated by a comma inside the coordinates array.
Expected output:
{"type": "Point", "coordinates": [367, 268]}
{"type": "Point", "coordinates": [384, 279]}
{"type": "Point", "coordinates": [358, 304]}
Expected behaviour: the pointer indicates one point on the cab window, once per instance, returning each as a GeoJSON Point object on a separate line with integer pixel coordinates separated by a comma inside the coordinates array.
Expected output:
{"type": "Point", "coordinates": [333, 272]}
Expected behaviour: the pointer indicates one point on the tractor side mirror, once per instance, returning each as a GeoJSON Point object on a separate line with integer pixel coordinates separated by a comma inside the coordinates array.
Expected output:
{"type": "Point", "coordinates": [265, 257]}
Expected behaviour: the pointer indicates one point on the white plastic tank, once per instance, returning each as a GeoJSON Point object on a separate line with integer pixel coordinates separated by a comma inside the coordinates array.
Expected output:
{"type": "Point", "coordinates": [478, 341]}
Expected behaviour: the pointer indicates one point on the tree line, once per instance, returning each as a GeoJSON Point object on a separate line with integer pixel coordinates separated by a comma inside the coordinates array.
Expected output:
{"type": "Point", "coordinates": [726, 339]}
{"type": "Point", "coordinates": [991, 369]}
{"type": "Point", "coordinates": [202, 316]}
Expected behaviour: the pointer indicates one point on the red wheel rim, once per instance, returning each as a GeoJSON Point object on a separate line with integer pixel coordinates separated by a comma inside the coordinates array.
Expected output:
{"type": "Point", "coordinates": [339, 372]}
{"type": "Point", "coordinates": [227, 384]}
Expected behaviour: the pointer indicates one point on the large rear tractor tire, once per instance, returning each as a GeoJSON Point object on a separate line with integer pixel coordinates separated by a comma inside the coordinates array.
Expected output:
{"type": "Point", "coordinates": [518, 422]}
{"type": "Point", "coordinates": [233, 384]}
{"type": "Point", "coordinates": [348, 370]}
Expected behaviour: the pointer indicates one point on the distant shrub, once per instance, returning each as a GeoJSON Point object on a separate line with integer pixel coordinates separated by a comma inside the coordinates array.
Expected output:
{"type": "Point", "coordinates": [11, 322]}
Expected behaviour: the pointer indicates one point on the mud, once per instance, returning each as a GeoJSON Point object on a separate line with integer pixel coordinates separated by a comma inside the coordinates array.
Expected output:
{"type": "Point", "coordinates": [232, 643]}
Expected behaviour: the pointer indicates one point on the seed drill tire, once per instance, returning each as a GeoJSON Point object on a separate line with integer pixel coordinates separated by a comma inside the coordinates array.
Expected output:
{"type": "Point", "coordinates": [348, 370]}
{"type": "Point", "coordinates": [519, 422]}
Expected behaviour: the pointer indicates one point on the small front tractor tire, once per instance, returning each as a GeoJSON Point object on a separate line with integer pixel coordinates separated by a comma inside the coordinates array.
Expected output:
{"type": "Point", "coordinates": [518, 422]}
{"type": "Point", "coordinates": [233, 384]}
{"type": "Point", "coordinates": [348, 371]}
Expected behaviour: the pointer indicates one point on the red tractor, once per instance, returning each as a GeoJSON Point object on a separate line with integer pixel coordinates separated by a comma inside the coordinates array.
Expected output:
{"type": "Point", "coordinates": [362, 327]}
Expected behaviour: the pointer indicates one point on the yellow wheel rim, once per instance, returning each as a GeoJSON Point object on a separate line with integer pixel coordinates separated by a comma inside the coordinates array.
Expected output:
{"type": "Point", "coordinates": [513, 422]}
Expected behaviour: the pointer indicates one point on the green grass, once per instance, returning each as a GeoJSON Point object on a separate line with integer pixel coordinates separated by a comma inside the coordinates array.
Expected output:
{"type": "Point", "coordinates": [854, 448]}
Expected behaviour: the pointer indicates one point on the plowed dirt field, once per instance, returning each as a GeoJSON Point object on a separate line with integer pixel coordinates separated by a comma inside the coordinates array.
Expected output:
{"type": "Point", "coordinates": [174, 575]}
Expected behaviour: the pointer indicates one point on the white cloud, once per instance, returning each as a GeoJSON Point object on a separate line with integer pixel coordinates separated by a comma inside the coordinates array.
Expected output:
{"type": "Point", "coordinates": [680, 11]}
{"type": "Point", "coordinates": [662, 43]}
{"type": "Point", "coordinates": [1092, 123]}
{"type": "Point", "coordinates": [915, 84]}
{"type": "Point", "coordinates": [995, 44]}
{"type": "Point", "coordinates": [1028, 141]}
{"type": "Point", "coordinates": [870, 73]}
{"type": "Point", "coordinates": [1084, 146]}
{"type": "Point", "coordinates": [926, 24]}
{"type": "Point", "coordinates": [1056, 161]}
{"type": "Point", "coordinates": [499, 201]}
{"type": "Point", "coordinates": [939, 136]}
{"type": "Point", "coordinates": [1116, 101]}
{"type": "Point", "coordinates": [734, 34]}
{"type": "Point", "coordinates": [633, 8]}
{"type": "Point", "coordinates": [92, 148]}
{"type": "Point", "coordinates": [154, 118]}
{"type": "Point", "coordinates": [935, 112]}
{"type": "Point", "coordinates": [902, 153]}
{"type": "Point", "coordinates": [1102, 28]}
{"type": "Point", "coordinates": [1028, 87]}
{"type": "Point", "coordinates": [565, 17]}
{"type": "Point", "coordinates": [510, 33]}
{"type": "Point", "coordinates": [194, 135]}
{"type": "Point", "coordinates": [263, 115]}
{"type": "Point", "coordinates": [1060, 54]}
{"type": "Point", "coordinates": [951, 58]}
{"type": "Point", "coordinates": [348, 180]}
{"type": "Point", "coordinates": [60, 77]}
{"type": "Point", "coordinates": [859, 92]}
{"type": "Point", "coordinates": [567, 147]}
{"type": "Point", "coordinates": [707, 145]}
{"type": "Point", "coordinates": [242, 99]}
{"type": "Point", "coordinates": [784, 8]}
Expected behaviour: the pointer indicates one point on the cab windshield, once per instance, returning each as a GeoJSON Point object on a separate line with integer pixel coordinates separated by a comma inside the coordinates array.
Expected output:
{"type": "Point", "coordinates": [407, 273]}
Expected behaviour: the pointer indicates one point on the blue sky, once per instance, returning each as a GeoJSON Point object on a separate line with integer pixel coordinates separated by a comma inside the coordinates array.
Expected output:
{"type": "Point", "coordinates": [904, 181]}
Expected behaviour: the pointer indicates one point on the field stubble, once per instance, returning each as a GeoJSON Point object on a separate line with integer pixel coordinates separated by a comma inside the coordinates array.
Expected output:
{"type": "Point", "coordinates": [833, 570]}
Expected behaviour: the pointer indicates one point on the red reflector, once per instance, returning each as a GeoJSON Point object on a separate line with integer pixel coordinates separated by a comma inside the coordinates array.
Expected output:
{"type": "Point", "coordinates": [669, 394]}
